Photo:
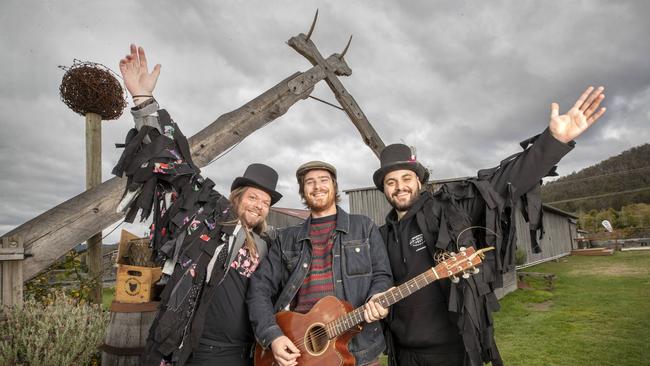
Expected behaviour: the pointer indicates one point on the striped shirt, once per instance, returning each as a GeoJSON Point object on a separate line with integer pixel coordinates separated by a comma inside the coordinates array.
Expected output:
{"type": "Point", "coordinates": [319, 281]}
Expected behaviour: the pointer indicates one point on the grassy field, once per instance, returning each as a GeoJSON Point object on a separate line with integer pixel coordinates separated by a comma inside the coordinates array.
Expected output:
{"type": "Point", "coordinates": [597, 314]}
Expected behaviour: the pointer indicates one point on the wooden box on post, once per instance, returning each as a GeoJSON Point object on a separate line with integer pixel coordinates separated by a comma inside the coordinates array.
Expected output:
{"type": "Point", "coordinates": [134, 284]}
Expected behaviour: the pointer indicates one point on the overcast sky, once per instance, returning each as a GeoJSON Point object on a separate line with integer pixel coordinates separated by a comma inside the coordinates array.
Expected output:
{"type": "Point", "coordinates": [463, 81]}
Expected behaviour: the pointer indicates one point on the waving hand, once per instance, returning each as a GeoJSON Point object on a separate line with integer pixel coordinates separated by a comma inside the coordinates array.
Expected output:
{"type": "Point", "coordinates": [135, 72]}
{"type": "Point", "coordinates": [579, 118]}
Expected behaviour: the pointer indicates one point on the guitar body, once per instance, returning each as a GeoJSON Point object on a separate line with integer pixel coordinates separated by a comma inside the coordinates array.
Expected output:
{"type": "Point", "coordinates": [322, 345]}
{"type": "Point", "coordinates": [306, 331]}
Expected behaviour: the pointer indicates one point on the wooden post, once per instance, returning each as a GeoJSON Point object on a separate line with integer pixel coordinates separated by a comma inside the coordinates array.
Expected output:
{"type": "Point", "coordinates": [94, 178]}
{"type": "Point", "coordinates": [617, 245]}
{"type": "Point", "coordinates": [11, 271]}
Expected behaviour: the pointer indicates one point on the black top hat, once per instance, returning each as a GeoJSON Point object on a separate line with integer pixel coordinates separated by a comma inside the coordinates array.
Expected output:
{"type": "Point", "coordinates": [259, 176]}
{"type": "Point", "coordinates": [395, 157]}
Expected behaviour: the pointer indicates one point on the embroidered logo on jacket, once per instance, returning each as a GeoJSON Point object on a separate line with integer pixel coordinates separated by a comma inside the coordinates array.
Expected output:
{"type": "Point", "coordinates": [417, 241]}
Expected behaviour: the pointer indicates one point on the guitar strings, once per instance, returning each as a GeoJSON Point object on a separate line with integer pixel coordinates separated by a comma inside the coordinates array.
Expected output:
{"type": "Point", "coordinates": [323, 332]}
{"type": "Point", "coordinates": [319, 334]}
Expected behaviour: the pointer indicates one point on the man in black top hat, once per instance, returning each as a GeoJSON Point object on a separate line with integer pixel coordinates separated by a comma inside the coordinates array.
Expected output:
{"type": "Point", "coordinates": [448, 323]}
{"type": "Point", "coordinates": [210, 244]}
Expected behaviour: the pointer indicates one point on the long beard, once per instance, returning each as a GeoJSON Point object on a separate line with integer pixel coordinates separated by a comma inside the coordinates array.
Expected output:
{"type": "Point", "coordinates": [404, 206]}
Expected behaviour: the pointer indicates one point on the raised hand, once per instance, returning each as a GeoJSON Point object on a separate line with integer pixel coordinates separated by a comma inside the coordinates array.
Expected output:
{"type": "Point", "coordinates": [135, 72]}
{"type": "Point", "coordinates": [579, 118]}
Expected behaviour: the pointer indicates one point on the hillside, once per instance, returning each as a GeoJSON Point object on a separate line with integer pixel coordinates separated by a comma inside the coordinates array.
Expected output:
{"type": "Point", "coordinates": [613, 183]}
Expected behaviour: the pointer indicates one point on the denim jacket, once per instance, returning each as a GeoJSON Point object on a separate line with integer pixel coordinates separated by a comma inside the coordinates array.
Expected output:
{"type": "Point", "coordinates": [360, 269]}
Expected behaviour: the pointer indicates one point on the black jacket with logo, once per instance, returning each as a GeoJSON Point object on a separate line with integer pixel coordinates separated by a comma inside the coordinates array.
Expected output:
{"type": "Point", "coordinates": [446, 317]}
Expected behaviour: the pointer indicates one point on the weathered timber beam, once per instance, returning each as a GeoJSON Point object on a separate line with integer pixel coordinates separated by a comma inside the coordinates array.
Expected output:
{"type": "Point", "coordinates": [50, 235]}
{"type": "Point", "coordinates": [304, 46]}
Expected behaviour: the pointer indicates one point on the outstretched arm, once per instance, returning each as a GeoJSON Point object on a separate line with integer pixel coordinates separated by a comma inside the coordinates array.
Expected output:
{"type": "Point", "coordinates": [525, 171]}
{"type": "Point", "coordinates": [579, 118]}
{"type": "Point", "coordinates": [150, 124]}
{"type": "Point", "coordinates": [137, 78]}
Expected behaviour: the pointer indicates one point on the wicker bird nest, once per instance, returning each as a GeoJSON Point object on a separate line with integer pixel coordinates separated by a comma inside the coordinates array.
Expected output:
{"type": "Point", "coordinates": [88, 87]}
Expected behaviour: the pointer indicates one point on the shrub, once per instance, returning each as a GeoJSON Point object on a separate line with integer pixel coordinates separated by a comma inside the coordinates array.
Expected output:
{"type": "Point", "coordinates": [520, 256]}
{"type": "Point", "coordinates": [63, 331]}
{"type": "Point", "coordinates": [75, 273]}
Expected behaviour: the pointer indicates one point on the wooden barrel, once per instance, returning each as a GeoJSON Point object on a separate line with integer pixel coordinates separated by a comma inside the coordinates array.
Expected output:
{"type": "Point", "coordinates": [127, 333]}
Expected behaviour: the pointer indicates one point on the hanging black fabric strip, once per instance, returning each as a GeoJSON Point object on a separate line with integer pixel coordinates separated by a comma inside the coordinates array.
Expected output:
{"type": "Point", "coordinates": [166, 120]}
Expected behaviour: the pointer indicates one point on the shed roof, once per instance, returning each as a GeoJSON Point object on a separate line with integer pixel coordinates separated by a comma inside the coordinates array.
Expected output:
{"type": "Point", "coordinates": [295, 212]}
{"type": "Point", "coordinates": [558, 211]}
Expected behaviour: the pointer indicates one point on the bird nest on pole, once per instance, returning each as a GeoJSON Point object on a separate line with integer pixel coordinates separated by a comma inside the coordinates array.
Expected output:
{"type": "Point", "coordinates": [89, 87]}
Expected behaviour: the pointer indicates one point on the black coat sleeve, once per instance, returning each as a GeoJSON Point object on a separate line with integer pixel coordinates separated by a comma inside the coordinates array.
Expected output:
{"type": "Point", "coordinates": [524, 170]}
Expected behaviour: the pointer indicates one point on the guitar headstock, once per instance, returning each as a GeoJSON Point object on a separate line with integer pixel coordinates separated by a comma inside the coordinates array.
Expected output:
{"type": "Point", "coordinates": [465, 262]}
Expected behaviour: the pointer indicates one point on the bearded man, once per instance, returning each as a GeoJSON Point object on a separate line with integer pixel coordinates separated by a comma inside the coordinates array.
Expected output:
{"type": "Point", "coordinates": [331, 253]}
{"type": "Point", "coordinates": [210, 244]}
{"type": "Point", "coordinates": [447, 323]}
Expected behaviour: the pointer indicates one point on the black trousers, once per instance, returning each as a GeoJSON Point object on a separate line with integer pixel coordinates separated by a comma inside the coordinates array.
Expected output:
{"type": "Point", "coordinates": [407, 357]}
{"type": "Point", "coordinates": [207, 355]}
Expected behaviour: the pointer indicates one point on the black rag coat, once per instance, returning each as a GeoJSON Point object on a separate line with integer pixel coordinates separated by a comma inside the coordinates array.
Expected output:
{"type": "Point", "coordinates": [190, 221]}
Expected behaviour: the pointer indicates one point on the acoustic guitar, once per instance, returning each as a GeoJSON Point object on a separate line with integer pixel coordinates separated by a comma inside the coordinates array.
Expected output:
{"type": "Point", "coordinates": [322, 335]}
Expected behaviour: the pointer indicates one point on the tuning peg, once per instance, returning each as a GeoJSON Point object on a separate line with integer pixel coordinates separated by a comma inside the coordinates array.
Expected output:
{"type": "Point", "coordinates": [454, 279]}
{"type": "Point", "coordinates": [462, 249]}
{"type": "Point", "coordinates": [465, 275]}
{"type": "Point", "coordinates": [475, 270]}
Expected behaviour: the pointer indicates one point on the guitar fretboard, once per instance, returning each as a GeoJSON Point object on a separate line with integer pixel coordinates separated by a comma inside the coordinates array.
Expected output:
{"type": "Point", "coordinates": [355, 317]}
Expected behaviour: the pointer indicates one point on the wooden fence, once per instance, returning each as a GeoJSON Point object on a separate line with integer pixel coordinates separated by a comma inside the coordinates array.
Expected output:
{"type": "Point", "coordinates": [12, 254]}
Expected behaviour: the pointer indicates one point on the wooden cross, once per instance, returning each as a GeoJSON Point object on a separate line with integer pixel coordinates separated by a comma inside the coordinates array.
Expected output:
{"type": "Point", "coordinates": [334, 66]}
{"type": "Point", "coordinates": [50, 235]}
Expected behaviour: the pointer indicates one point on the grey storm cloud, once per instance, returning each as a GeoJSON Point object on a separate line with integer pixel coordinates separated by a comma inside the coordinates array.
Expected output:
{"type": "Point", "coordinates": [462, 81]}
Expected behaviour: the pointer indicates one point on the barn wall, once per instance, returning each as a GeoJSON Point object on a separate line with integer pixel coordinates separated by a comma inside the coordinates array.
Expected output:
{"type": "Point", "coordinates": [557, 239]}
{"type": "Point", "coordinates": [369, 202]}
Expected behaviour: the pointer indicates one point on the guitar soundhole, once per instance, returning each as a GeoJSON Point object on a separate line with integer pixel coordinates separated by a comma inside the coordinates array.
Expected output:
{"type": "Point", "coordinates": [316, 340]}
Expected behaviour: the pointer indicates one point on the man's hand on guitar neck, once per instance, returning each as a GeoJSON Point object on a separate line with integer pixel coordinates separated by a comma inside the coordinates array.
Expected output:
{"type": "Point", "coordinates": [284, 351]}
{"type": "Point", "coordinates": [373, 311]}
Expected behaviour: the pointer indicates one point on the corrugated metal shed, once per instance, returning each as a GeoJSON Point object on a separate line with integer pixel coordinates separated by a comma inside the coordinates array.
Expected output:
{"type": "Point", "coordinates": [560, 228]}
